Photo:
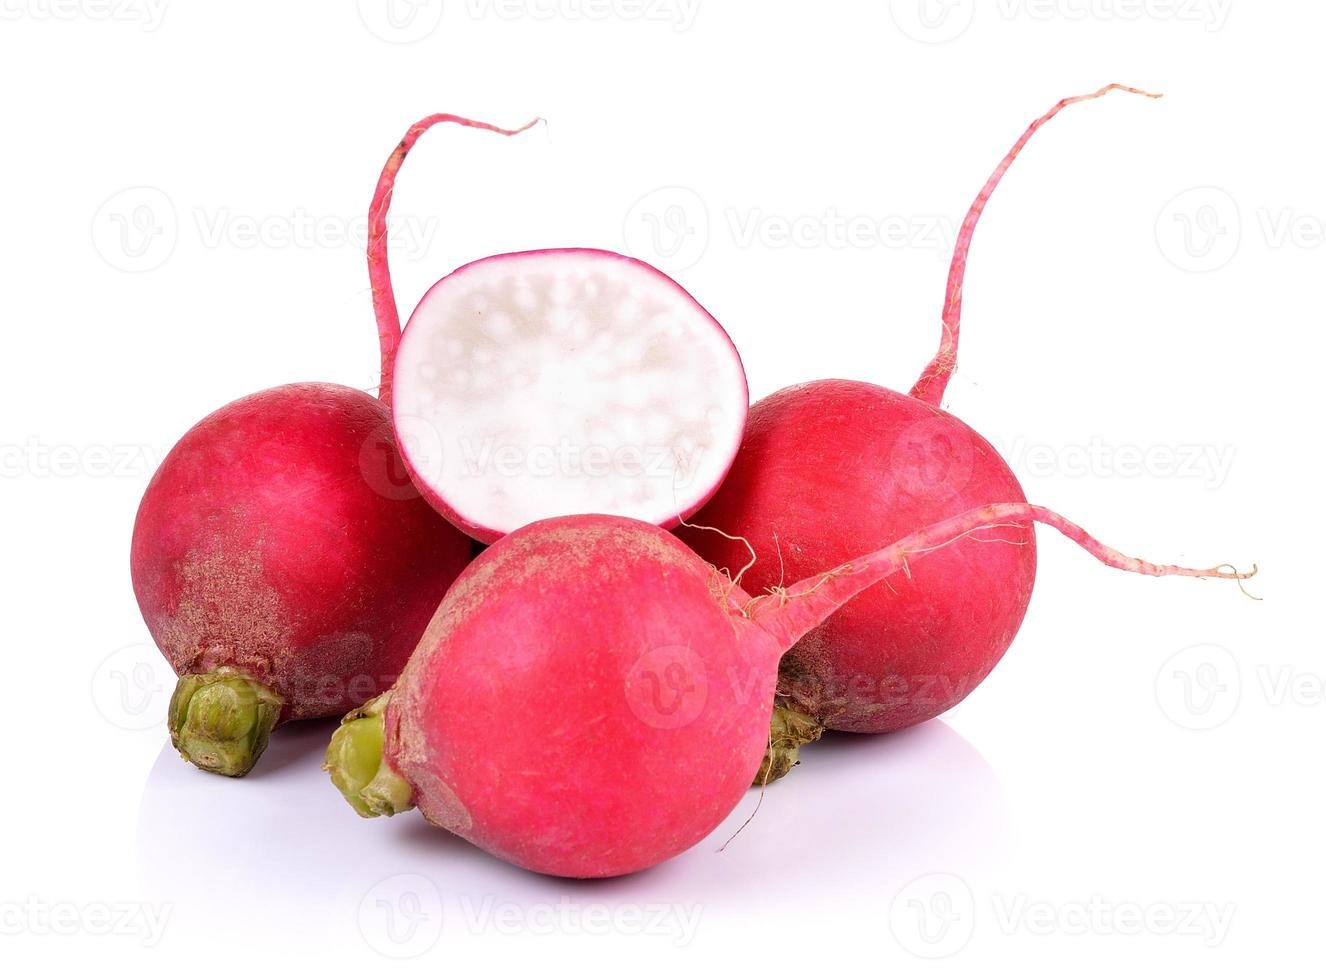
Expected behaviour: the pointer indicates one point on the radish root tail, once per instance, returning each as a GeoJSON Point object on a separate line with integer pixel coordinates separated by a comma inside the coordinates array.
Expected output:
{"type": "Point", "coordinates": [379, 272]}
{"type": "Point", "coordinates": [934, 379]}
{"type": "Point", "coordinates": [791, 613]}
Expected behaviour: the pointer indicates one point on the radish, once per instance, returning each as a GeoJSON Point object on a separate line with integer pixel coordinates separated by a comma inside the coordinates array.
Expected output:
{"type": "Point", "coordinates": [282, 559]}
{"type": "Point", "coordinates": [592, 698]}
{"type": "Point", "coordinates": [285, 567]}
{"type": "Point", "coordinates": [553, 382]}
{"type": "Point", "coordinates": [828, 466]}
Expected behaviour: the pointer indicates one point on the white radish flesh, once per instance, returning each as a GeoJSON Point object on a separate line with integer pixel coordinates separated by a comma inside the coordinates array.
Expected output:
{"type": "Point", "coordinates": [565, 381]}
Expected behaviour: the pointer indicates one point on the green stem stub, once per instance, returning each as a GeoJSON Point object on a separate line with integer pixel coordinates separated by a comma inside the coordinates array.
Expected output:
{"type": "Point", "coordinates": [358, 768]}
{"type": "Point", "coordinates": [789, 729]}
{"type": "Point", "coordinates": [220, 720]}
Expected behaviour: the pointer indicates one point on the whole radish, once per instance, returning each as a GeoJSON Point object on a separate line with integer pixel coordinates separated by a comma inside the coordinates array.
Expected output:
{"type": "Point", "coordinates": [592, 697]}
{"type": "Point", "coordinates": [285, 565]}
{"type": "Point", "coordinates": [828, 466]}
{"type": "Point", "coordinates": [558, 381]}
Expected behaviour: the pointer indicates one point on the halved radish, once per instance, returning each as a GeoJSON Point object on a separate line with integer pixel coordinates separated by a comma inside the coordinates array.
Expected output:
{"type": "Point", "coordinates": [566, 381]}
{"type": "Point", "coordinates": [556, 382]}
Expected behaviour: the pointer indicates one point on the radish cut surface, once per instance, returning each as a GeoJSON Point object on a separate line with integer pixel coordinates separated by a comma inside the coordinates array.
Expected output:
{"type": "Point", "coordinates": [569, 381]}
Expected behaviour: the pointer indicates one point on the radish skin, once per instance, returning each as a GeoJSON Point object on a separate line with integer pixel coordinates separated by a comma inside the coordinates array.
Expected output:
{"type": "Point", "coordinates": [592, 698]}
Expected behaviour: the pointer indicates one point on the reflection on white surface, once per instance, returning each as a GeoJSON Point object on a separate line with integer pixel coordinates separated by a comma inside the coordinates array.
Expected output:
{"type": "Point", "coordinates": [279, 853]}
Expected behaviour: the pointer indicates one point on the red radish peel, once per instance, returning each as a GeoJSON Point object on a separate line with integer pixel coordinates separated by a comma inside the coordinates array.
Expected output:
{"type": "Point", "coordinates": [592, 698]}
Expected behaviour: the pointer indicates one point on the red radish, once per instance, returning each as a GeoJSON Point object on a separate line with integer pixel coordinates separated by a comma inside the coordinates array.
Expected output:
{"type": "Point", "coordinates": [828, 466]}
{"type": "Point", "coordinates": [283, 561]}
{"type": "Point", "coordinates": [592, 698]}
{"type": "Point", "coordinates": [285, 566]}
{"type": "Point", "coordinates": [554, 382]}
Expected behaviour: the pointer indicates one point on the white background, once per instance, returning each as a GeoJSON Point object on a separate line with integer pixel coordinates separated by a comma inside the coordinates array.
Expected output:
{"type": "Point", "coordinates": [1076, 814]}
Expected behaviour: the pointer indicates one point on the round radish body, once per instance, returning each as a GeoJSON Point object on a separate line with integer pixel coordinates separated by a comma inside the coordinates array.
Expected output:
{"type": "Point", "coordinates": [883, 464]}
{"type": "Point", "coordinates": [592, 698]}
{"type": "Point", "coordinates": [285, 566]}
{"type": "Point", "coordinates": [829, 466]}
{"type": "Point", "coordinates": [555, 382]}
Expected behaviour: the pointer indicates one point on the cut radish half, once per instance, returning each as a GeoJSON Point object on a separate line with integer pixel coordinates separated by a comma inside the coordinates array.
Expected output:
{"type": "Point", "coordinates": [566, 381]}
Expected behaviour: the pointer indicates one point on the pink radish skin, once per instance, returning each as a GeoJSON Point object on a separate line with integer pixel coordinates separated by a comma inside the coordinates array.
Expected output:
{"type": "Point", "coordinates": [828, 466]}
{"type": "Point", "coordinates": [593, 698]}
{"type": "Point", "coordinates": [557, 381]}
{"type": "Point", "coordinates": [285, 566]}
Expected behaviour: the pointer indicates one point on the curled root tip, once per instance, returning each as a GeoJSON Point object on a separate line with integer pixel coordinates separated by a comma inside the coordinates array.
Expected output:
{"type": "Point", "coordinates": [1239, 577]}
